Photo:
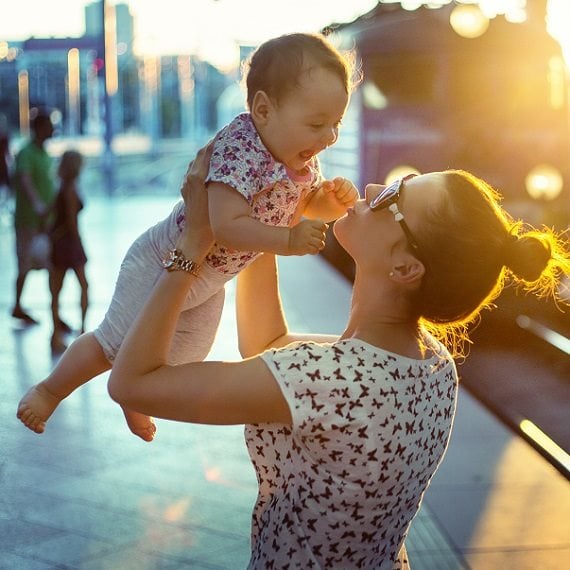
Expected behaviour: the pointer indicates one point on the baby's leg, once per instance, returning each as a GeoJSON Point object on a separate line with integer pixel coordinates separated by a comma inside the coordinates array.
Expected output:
{"type": "Point", "coordinates": [92, 353]}
{"type": "Point", "coordinates": [84, 359]}
{"type": "Point", "coordinates": [140, 424]}
{"type": "Point", "coordinates": [138, 275]}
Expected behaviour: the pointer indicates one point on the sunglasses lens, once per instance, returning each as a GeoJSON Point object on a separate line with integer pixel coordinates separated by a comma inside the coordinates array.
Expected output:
{"type": "Point", "coordinates": [385, 196]}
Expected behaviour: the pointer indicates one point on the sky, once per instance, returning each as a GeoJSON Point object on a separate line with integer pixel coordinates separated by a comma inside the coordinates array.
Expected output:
{"type": "Point", "coordinates": [209, 28]}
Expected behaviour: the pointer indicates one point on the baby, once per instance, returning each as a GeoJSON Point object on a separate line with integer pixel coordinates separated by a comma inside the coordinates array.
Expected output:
{"type": "Point", "coordinates": [264, 177]}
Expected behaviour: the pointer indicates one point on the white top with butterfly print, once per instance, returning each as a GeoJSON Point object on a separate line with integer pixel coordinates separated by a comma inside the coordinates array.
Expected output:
{"type": "Point", "coordinates": [370, 427]}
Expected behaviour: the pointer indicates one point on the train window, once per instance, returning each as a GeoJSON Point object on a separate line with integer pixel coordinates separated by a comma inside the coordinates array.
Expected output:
{"type": "Point", "coordinates": [526, 86]}
{"type": "Point", "coordinates": [557, 82]}
{"type": "Point", "coordinates": [372, 97]}
{"type": "Point", "coordinates": [402, 79]}
{"type": "Point", "coordinates": [511, 91]}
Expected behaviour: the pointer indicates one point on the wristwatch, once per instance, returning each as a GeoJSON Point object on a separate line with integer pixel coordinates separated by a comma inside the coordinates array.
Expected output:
{"type": "Point", "coordinates": [175, 261]}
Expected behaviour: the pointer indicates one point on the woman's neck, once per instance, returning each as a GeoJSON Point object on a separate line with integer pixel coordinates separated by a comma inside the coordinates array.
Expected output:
{"type": "Point", "coordinates": [380, 317]}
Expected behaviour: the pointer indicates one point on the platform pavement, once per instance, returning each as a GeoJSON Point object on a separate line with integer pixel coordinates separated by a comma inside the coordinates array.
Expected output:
{"type": "Point", "coordinates": [88, 495]}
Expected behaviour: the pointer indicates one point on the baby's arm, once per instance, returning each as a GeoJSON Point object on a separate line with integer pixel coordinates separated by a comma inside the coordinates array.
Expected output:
{"type": "Point", "coordinates": [234, 227]}
{"type": "Point", "coordinates": [332, 199]}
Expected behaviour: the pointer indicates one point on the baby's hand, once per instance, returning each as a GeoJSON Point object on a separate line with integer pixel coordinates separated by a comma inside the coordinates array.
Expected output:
{"type": "Point", "coordinates": [332, 199]}
{"type": "Point", "coordinates": [308, 236]}
{"type": "Point", "coordinates": [345, 191]}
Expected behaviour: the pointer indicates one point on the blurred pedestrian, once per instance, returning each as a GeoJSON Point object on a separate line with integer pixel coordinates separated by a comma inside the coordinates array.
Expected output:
{"type": "Point", "coordinates": [67, 249]}
{"type": "Point", "coordinates": [5, 167]}
{"type": "Point", "coordinates": [34, 191]}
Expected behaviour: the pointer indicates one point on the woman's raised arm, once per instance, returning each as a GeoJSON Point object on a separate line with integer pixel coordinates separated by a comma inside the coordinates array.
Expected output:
{"type": "Point", "coordinates": [260, 318]}
{"type": "Point", "coordinates": [201, 392]}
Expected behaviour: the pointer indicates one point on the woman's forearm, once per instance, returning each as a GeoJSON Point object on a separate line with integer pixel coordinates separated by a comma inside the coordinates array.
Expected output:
{"type": "Point", "coordinates": [205, 392]}
{"type": "Point", "coordinates": [260, 317]}
{"type": "Point", "coordinates": [147, 344]}
{"type": "Point", "coordinates": [201, 392]}
{"type": "Point", "coordinates": [259, 313]}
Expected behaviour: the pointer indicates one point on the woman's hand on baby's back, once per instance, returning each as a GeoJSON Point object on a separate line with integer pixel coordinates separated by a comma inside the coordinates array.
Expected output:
{"type": "Point", "coordinates": [197, 235]}
{"type": "Point", "coordinates": [196, 174]}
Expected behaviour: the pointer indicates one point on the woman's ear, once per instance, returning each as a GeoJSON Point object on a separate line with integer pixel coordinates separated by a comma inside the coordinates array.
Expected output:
{"type": "Point", "coordinates": [261, 107]}
{"type": "Point", "coordinates": [407, 270]}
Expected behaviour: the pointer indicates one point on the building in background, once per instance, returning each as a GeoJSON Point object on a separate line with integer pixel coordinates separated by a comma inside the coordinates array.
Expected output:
{"type": "Point", "coordinates": [160, 96]}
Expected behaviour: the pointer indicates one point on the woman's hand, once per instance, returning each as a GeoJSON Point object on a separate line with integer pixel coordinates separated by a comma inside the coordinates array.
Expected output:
{"type": "Point", "coordinates": [196, 237]}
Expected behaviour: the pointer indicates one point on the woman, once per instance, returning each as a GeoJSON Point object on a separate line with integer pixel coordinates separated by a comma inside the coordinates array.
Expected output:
{"type": "Point", "coordinates": [345, 434]}
{"type": "Point", "coordinates": [67, 250]}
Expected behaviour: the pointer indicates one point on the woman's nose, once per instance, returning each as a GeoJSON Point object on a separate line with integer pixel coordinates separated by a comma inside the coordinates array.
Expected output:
{"type": "Point", "coordinates": [371, 191]}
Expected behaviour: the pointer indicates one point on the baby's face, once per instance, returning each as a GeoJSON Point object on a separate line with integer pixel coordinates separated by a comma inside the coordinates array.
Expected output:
{"type": "Point", "coordinates": [307, 119]}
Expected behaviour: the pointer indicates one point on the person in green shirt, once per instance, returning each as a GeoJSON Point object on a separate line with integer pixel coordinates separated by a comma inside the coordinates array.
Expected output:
{"type": "Point", "coordinates": [35, 192]}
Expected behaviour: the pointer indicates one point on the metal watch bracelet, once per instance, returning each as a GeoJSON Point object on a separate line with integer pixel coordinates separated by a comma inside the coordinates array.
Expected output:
{"type": "Point", "coordinates": [176, 261]}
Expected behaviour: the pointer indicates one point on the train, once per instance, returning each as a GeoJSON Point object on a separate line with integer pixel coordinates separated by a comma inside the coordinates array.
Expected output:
{"type": "Point", "coordinates": [430, 99]}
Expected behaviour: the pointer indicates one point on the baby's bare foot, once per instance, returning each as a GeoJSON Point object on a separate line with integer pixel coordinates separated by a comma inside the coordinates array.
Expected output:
{"type": "Point", "coordinates": [35, 408]}
{"type": "Point", "coordinates": [140, 424]}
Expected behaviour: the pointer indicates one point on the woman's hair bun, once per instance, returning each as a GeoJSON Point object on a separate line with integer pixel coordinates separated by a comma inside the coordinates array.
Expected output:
{"type": "Point", "coordinates": [526, 256]}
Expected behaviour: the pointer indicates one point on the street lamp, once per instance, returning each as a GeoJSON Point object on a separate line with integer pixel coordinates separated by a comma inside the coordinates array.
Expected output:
{"type": "Point", "coordinates": [73, 90]}
{"type": "Point", "coordinates": [544, 182]}
{"type": "Point", "coordinates": [151, 74]}
{"type": "Point", "coordinates": [468, 21]}
{"type": "Point", "coordinates": [24, 102]}
{"type": "Point", "coordinates": [109, 41]}
{"type": "Point", "coordinates": [110, 35]}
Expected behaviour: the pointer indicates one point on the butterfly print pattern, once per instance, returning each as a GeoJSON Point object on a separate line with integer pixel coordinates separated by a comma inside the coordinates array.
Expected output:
{"type": "Point", "coordinates": [241, 160]}
{"type": "Point", "coordinates": [340, 487]}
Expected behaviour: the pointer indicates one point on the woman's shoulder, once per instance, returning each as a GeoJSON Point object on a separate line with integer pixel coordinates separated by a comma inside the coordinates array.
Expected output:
{"type": "Point", "coordinates": [355, 346]}
{"type": "Point", "coordinates": [355, 353]}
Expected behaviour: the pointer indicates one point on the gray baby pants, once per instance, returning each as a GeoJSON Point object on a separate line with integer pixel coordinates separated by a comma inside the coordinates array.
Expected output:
{"type": "Point", "coordinates": [140, 270]}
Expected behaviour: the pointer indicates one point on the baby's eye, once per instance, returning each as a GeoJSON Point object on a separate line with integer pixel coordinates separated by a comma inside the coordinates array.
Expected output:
{"type": "Point", "coordinates": [316, 126]}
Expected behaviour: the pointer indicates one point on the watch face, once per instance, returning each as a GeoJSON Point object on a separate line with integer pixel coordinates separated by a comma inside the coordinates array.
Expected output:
{"type": "Point", "coordinates": [167, 263]}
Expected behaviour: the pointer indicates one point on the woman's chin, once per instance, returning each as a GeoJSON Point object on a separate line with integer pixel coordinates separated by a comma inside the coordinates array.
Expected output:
{"type": "Point", "coordinates": [337, 228]}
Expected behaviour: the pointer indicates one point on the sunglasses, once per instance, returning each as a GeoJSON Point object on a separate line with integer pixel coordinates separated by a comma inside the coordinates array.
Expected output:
{"type": "Point", "coordinates": [388, 198]}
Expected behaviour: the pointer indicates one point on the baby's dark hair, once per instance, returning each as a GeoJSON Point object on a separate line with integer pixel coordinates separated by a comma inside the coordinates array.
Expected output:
{"type": "Point", "coordinates": [473, 248]}
{"type": "Point", "coordinates": [275, 67]}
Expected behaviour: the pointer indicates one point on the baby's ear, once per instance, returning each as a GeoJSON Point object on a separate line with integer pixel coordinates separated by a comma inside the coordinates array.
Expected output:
{"type": "Point", "coordinates": [261, 107]}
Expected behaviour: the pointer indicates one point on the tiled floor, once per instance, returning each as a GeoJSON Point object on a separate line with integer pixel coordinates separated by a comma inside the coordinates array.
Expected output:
{"type": "Point", "coordinates": [89, 495]}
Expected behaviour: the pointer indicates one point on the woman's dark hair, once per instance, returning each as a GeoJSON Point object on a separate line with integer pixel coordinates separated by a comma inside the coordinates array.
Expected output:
{"type": "Point", "coordinates": [472, 248]}
{"type": "Point", "coordinates": [277, 65]}
{"type": "Point", "coordinates": [70, 165]}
